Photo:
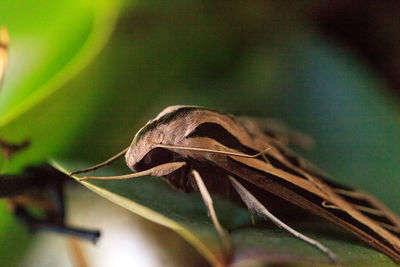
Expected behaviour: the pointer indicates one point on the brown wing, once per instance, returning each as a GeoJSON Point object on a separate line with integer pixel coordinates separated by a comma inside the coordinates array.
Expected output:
{"type": "Point", "coordinates": [368, 206]}
{"type": "Point", "coordinates": [352, 210]}
{"type": "Point", "coordinates": [278, 130]}
{"type": "Point", "coordinates": [283, 173]}
{"type": "Point", "coordinates": [361, 201]}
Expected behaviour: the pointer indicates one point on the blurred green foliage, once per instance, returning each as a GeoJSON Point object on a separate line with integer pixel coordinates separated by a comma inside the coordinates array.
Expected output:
{"type": "Point", "coordinates": [14, 238]}
{"type": "Point", "coordinates": [49, 43]}
{"type": "Point", "coordinates": [258, 59]}
{"type": "Point", "coordinates": [48, 46]}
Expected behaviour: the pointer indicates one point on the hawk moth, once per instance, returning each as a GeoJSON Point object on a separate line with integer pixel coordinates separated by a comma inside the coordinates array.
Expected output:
{"type": "Point", "coordinates": [198, 149]}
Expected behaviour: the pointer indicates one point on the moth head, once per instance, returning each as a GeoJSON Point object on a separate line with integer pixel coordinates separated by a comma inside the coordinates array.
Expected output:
{"type": "Point", "coordinates": [143, 152]}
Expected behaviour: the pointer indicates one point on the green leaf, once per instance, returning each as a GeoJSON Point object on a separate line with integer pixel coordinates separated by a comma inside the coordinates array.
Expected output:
{"type": "Point", "coordinates": [50, 43]}
{"type": "Point", "coordinates": [186, 214]}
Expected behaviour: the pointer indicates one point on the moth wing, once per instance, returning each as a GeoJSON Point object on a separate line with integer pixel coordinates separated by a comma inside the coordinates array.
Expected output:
{"type": "Point", "coordinates": [281, 172]}
{"type": "Point", "coordinates": [361, 201]}
{"type": "Point", "coordinates": [351, 210]}
{"type": "Point", "coordinates": [278, 130]}
{"type": "Point", "coordinates": [367, 205]}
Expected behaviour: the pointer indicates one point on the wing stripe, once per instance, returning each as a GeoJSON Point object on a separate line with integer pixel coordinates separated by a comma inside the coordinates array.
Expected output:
{"type": "Point", "coordinates": [221, 135]}
{"type": "Point", "coordinates": [356, 226]}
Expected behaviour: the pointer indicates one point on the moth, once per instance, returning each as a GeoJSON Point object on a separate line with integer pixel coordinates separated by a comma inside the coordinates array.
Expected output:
{"type": "Point", "coordinates": [201, 150]}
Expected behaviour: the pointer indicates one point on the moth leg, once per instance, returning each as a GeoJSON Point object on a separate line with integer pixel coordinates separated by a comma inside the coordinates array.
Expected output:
{"type": "Point", "coordinates": [372, 211]}
{"type": "Point", "coordinates": [253, 204]}
{"type": "Point", "coordinates": [253, 220]}
{"type": "Point", "coordinates": [104, 163]}
{"type": "Point", "coordinates": [226, 242]}
{"type": "Point", "coordinates": [377, 210]}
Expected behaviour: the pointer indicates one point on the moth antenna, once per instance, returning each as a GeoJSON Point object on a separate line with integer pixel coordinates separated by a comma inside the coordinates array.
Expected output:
{"type": "Point", "coordinates": [105, 163]}
{"type": "Point", "coordinates": [199, 149]}
{"type": "Point", "coordinates": [160, 170]}
{"type": "Point", "coordinates": [357, 207]}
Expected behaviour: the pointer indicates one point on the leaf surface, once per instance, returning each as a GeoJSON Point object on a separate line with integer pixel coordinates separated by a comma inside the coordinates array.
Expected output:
{"type": "Point", "coordinates": [153, 199]}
